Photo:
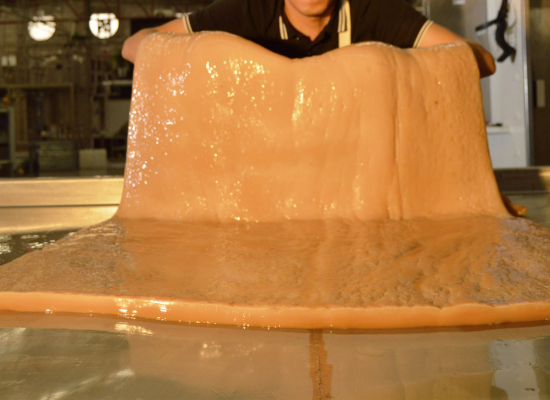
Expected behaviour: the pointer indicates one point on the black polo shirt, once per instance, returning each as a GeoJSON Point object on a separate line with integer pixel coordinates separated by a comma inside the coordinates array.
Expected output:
{"type": "Point", "coordinates": [264, 22]}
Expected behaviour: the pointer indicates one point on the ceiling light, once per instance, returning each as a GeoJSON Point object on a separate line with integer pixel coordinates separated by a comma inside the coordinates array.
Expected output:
{"type": "Point", "coordinates": [42, 27]}
{"type": "Point", "coordinates": [103, 25]}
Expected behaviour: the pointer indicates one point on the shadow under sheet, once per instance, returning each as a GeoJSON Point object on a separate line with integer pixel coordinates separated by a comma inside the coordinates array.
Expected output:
{"type": "Point", "coordinates": [304, 274]}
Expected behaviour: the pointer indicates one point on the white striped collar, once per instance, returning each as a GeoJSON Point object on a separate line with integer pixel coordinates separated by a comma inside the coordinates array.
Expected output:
{"type": "Point", "coordinates": [282, 28]}
{"type": "Point", "coordinates": [342, 18]}
{"type": "Point", "coordinates": [186, 22]}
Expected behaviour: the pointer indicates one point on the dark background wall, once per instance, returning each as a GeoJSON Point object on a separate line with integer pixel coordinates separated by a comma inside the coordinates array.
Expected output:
{"type": "Point", "coordinates": [540, 62]}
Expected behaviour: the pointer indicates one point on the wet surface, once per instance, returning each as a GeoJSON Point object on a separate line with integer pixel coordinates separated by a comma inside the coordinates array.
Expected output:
{"type": "Point", "coordinates": [88, 357]}
{"type": "Point", "coordinates": [538, 205]}
{"type": "Point", "coordinates": [279, 140]}
{"type": "Point", "coordinates": [294, 274]}
{"type": "Point", "coordinates": [14, 246]}
{"type": "Point", "coordinates": [56, 356]}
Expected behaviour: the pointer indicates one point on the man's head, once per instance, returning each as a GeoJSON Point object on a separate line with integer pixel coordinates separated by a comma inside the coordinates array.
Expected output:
{"type": "Point", "coordinates": [312, 8]}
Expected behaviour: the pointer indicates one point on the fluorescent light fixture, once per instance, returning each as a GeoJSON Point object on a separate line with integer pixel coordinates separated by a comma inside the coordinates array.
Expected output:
{"type": "Point", "coordinates": [42, 27]}
{"type": "Point", "coordinates": [103, 25]}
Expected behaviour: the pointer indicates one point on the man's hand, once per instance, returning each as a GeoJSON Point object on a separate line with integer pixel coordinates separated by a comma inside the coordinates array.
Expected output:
{"type": "Point", "coordinates": [436, 34]}
{"type": "Point", "coordinates": [131, 45]}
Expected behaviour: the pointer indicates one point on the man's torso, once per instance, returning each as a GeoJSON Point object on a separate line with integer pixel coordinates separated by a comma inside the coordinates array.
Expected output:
{"type": "Point", "coordinates": [264, 22]}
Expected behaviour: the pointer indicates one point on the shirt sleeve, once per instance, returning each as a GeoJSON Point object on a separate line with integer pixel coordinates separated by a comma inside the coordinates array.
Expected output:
{"type": "Point", "coordinates": [232, 16]}
{"type": "Point", "coordinates": [390, 21]}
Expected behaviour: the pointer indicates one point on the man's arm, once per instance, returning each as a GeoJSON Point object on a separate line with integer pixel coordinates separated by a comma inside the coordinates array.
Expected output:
{"type": "Point", "coordinates": [131, 45]}
{"type": "Point", "coordinates": [436, 34]}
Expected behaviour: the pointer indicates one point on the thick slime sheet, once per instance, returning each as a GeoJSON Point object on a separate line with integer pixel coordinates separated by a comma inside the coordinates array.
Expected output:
{"type": "Point", "coordinates": [225, 130]}
{"type": "Point", "coordinates": [309, 274]}
{"type": "Point", "coordinates": [350, 190]}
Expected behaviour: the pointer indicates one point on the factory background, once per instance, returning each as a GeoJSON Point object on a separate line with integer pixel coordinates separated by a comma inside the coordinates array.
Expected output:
{"type": "Point", "coordinates": [65, 89]}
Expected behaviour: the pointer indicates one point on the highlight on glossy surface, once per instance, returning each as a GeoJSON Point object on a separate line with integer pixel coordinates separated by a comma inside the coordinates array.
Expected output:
{"type": "Point", "coordinates": [181, 310]}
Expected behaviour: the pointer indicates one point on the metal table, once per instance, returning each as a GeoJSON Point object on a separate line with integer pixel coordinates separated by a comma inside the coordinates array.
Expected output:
{"type": "Point", "coordinates": [57, 356]}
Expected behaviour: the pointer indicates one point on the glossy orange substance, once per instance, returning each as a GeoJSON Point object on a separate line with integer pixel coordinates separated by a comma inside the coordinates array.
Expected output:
{"type": "Point", "coordinates": [308, 274]}
{"type": "Point", "coordinates": [225, 130]}
{"type": "Point", "coordinates": [350, 190]}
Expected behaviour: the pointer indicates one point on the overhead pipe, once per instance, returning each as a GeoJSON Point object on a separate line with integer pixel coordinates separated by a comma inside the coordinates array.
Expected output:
{"type": "Point", "coordinates": [108, 7]}
{"type": "Point", "coordinates": [142, 8]}
{"type": "Point", "coordinates": [74, 10]}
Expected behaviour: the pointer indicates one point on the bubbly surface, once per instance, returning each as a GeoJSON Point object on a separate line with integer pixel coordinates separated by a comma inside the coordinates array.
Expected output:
{"type": "Point", "coordinates": [270, 274]}
{"type": "Point", "coordinates": [299, 263]}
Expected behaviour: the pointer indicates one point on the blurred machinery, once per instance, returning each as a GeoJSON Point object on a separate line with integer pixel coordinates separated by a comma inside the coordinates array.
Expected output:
{"type": "Point", "coordinates": [62, 78]}
{"type": "Point", "coordinates": [70, 84]}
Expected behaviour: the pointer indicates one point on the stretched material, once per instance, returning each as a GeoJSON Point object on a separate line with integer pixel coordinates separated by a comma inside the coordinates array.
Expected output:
{"type": "Point", "coordinates": [224, 130]}
{"type": "Point", "coordinates": [350, 190]}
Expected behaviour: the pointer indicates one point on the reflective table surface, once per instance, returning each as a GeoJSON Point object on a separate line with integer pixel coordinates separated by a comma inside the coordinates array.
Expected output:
{"type": "Point", "coordinates": [55, 356]}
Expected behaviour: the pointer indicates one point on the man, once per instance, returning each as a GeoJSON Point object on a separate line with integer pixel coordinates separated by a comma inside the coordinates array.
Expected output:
{"type": "Point", "coordinates": [301, 28]}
